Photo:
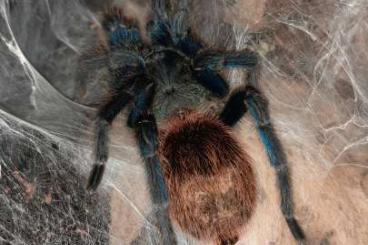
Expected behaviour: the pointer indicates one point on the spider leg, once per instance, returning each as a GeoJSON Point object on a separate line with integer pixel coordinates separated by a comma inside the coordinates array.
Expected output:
{"type": "Point", "coordinates": [168, 30]}
{"type": "Point", "coordinates": [236, 107]}
{"type": "Point", "coordinates": [142, 101]}
{"type": "Point", "coordinates": [258, 109]}
{"type": "Point", "coordinates": [144, 123]}
{"type": "Point", "coordinates": [147, 135]}
{"type": "Point", "coordinates": [159, 32]}
{"type": "Point", "coordinates": [182, 34]}
{"type": "Point", "coordinates": [219, 61]}
{"type": "Point", "coordinates": [159, 8]}
{"type": "Point", "coordinates": [205, 68]}
{"type": "Point", "coordinates": [180, 19]}
{"type": "Point", "coordinates": [117, 32]}
{"type": "Point", "coordinates": [212, 81]}
{"type": "Point", "coordinates": [188, 45]}
{"type": "Point", "coordinates": [159, 27]}
{"type": "Point", "coordinates": [105, 117]}
{"type": "Point", "coordinates": [146, 131]}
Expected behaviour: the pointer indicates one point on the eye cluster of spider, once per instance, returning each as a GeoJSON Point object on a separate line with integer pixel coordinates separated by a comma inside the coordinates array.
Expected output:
{"type": "Point", "coordinates": [193, 161]}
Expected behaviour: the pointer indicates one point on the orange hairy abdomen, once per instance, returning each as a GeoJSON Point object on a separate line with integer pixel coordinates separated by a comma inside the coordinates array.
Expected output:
{"type": "Point", "coordinates": [210, 181]}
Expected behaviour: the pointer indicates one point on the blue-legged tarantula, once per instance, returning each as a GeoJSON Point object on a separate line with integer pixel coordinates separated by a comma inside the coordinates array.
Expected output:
{"type": "Point", "coordinates": [193, 161]}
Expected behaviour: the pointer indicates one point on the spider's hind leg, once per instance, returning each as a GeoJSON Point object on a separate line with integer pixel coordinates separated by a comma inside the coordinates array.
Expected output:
{"type": "Point", "coordinates": [145, 126]}
{"type": "Point", "coordinates": [258, 109]}
{"type": "Point", "coordinates": [105, 117]}
{"type": "Point", "coordinates": [147, 137]}
{"type": "Point", "coordinates": [234, 109]}
{"type": "Point", "coordinates": [251, 99]}
{"type": "Point", "coordinates": [144, 123]}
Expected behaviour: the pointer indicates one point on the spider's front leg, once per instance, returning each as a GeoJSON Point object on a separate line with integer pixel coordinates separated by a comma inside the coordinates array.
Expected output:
{"type": "Point", "coordinates": [118, 31]}
{"type": "Point", "coordinates": [251, 99]}
{"type": "Point", "coordinates": [170, 29]}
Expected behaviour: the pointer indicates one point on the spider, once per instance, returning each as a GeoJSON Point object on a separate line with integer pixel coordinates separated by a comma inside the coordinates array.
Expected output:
{"type": "Point", "coordinates": [193, 161]}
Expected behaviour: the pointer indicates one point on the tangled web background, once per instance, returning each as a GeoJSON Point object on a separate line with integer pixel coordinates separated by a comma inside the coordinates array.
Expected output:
{"type": "Point", "coordinates": [314, 74]}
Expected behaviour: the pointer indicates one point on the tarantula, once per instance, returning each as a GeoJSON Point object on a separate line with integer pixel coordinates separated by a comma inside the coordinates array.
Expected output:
{"type": "Point", "coordinates": [193, 161]}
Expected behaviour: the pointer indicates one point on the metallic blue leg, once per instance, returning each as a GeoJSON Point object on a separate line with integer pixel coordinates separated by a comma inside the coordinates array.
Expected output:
{"type": "Point", "coordinates": [226, 60]}
{"type": "Point", "coordinates": [258, 109]}
{"type": "Point", "coordinates": [105, 117]}
{"type": "Point", "coordinates": [144, 123]}
{"type": "Point", "coordinates": [212, 81]}
{"type": "Point", "coordinates": [117, 32]}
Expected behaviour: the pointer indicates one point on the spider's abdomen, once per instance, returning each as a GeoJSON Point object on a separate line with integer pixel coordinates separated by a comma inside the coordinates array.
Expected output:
{"type": "Point", "coordinates": [210, 182]}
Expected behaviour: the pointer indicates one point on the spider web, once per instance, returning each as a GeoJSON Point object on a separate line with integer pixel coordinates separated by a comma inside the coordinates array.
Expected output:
{"type": "Point", "coordinates": [314, 74]}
